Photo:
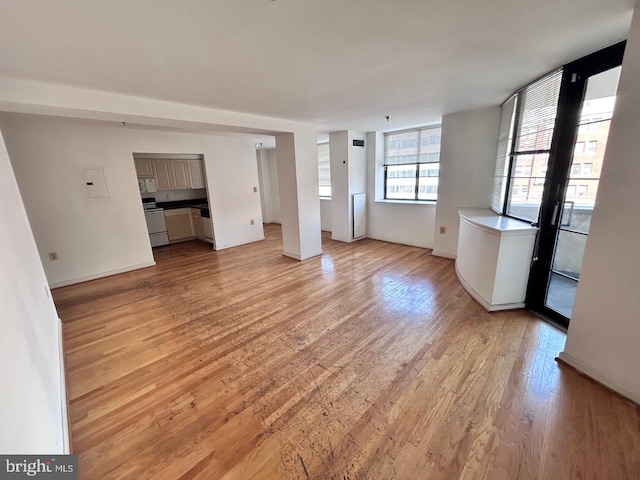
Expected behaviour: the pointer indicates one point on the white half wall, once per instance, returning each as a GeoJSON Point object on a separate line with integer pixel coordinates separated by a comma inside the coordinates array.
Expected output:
{"type": "Point", "coordinates": [467, 160]}
{"type": "Point", "coordinates": [97, 237]}
{"type": "Point", "coordinates": [405, 223]}
{"type": "Point", "coordinates": [32, 404]}
{"type": "Point", "coordinates": [603, 339]}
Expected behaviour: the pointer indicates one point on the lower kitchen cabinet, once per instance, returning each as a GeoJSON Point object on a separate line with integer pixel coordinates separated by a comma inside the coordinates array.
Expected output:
{"type": "Point", "coordinates": [179, 226]}
{"type": "Point", "coordinates": [196, 221]}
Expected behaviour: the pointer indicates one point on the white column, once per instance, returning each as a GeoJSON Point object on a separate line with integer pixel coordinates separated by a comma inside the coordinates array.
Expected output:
{"type": "Point", "coordinates": [348, 176]}
{"type": "Point", "coordinates": [297, 155]}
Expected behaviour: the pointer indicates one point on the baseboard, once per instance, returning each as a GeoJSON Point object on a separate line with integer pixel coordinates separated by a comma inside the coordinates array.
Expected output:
{"type": "Point", "coordinates": [438, 253]}
{"type": "Point", "coordinates": [390, 240]}
{"type": "Point", "coordinates": [292, 255]}
{"type": "Point", "coordinates": [298, 257]}
{"type": "Point", "coordinates": [340, 239]}
{"type": "Point", "coordinates": [95, 276]}
{"type": "Point", "coordinates": [483, 303]}
{"type": "Point", "coordinates": [64, 397]}
{"type": "Point", "coordinates": [224, 247]}
{"type": "Point", "coordinates": [608, 381]}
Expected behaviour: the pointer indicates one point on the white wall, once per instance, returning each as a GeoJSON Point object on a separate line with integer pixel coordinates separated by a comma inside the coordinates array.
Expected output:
{"type": "Point", "coordinates": [409, 224]}
{"type": "Point", "coordinates": [299, 201]}
{"type": "Point", "coordinates": [32, 404]}
{"type": "Point", "coordinates": [604, 335]}
{"type": "Point", "coordinates": [94, 238]}
{"type": "Point", "coordinates": [348, 176]}
{"type": "Point", "coordinates": [339, 160]}
{"type": "Point", "coordinates": [270, 196]}
{"type": "Point", "coordinates": [325, 214]}
{"type": "Point", "coordinates": [467, 160]}
{"type": "Point", "coordinates": [264, 177]}
{"type": "Point", "coordinates": [275, 185]}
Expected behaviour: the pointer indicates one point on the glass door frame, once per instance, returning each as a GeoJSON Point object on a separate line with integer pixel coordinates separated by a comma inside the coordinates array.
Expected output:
{"type": "Point", "coordinates": [572, 92]}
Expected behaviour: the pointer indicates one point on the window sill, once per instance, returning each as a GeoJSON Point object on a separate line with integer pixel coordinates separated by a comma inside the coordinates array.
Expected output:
{"type": "Point", "coordinates": [413, 203]}
{"type": "Point", "coordinates": [325, 198]}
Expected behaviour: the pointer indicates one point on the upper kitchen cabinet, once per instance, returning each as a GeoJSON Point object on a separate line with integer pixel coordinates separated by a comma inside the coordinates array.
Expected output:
{"type": "Point", "coordinates": [180, 174]}
{"type": "Point", "coordinates": [196, 174]}
{"type": "Point", "coordinates": [172, 173]}
{"type": "Point", "coordinates": [144, 167]}
{"type": "Point", "coordinates": [164, 174]}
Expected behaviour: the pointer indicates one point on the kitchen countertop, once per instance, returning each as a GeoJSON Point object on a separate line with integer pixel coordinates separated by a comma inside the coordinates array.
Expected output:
{"type": "Point", "coordinates": [201, 203]}
{"type": "Point", "coordinates": [183, 203]}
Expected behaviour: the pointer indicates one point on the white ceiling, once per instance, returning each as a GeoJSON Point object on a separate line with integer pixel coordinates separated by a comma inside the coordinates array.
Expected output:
{"type": "Point", "coordinates": [339, 64]}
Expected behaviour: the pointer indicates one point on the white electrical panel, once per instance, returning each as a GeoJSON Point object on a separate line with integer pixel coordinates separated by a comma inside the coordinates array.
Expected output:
{"type": "Point", "coordinates": [95, 183]}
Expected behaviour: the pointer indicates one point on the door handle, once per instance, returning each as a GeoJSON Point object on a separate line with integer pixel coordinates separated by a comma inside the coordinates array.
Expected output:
{"type": "Point", "coordinates": [554, 217]}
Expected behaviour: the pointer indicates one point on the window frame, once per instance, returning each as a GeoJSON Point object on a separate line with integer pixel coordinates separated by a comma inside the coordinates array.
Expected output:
{"type": "Point", "coordinates": [424, 132]}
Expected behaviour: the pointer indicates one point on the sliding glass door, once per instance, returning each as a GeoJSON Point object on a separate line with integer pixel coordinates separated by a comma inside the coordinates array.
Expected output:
{"type": "Point", "coordinates": [587, 102]}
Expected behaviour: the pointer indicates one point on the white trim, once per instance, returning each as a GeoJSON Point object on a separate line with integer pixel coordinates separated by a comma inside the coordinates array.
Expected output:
{"type": "Point", "coordinates": [94, 276]}
{"type": "Point", "coordinates": [389, 240]}
{"type": "Point", "coordinates": [413, 129]}
{"type": "Point", "coordinates": [438, 253]}
{"type": "Point", "coordinates": [609, 381]}
{"type": "Point", "coordinates": [483, 303]}
{"type": "Point", "coordinates": [66, 443]}
{"type": "Point", "coordinates": [340, 239]}
{"type": "Point", "coordinates": [412, 203]}
{"type": "Point", "coordinates": [292, 255]}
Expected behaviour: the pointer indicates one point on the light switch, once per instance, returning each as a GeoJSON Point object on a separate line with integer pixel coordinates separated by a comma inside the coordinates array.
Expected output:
{"type": "Point", "coordinates": [95, 182]}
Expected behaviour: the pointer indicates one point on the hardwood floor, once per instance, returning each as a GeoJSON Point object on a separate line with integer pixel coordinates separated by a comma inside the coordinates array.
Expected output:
{"type": "Point", "coordinates": [369, 362]}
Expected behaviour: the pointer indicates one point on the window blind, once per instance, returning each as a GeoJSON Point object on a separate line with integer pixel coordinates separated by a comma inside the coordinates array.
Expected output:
{"type": "Point", "coordinates": [505, 139]}
{"type": "Point", "coordinates": [524, 143]}
{"type": "Point", "coordinates": [413, 146]}
{"type": "Point", "coordinates": [324, 170]}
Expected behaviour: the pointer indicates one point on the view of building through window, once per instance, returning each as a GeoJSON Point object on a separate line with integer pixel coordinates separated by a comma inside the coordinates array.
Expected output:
{"type": "Point", "coordinates": [530, 170]}
{"type": "Point", "coordinates": [412, 164]}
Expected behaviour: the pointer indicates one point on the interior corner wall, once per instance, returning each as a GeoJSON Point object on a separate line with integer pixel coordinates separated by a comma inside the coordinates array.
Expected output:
{"type": "Point", "coordinates": [408, 224]}
{"type": "Point", "coordinates": [98, 237]}
{"type": "Point", "coordinates": [604, 334]}
{"type": "Point", "coordinates": [467, 162]}
{"type": "Point", "coordinates": [32, 403]}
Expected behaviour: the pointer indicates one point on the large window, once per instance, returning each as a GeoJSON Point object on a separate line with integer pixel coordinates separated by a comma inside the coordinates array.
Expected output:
{"type": "Point", "coordinates": [412, 164]}
{"type": "Point", "coordinates": [324, 170]}
{"type": "Point", "coordinates": [524, 144]}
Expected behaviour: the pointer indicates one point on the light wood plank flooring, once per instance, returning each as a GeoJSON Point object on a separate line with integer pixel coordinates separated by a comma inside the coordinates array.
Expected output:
{"type": "Point", "coordinates": [369, 362]}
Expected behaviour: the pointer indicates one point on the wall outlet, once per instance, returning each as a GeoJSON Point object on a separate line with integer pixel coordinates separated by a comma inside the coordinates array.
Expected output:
{"type": "Point", "coordinates": [443, 230]}
{"type": "Point", "coordinates": [255, 189]}
{"type": "Point", "coordinates": [53, 256]}
{"type": "Point", "coordinates": [252, 222]}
